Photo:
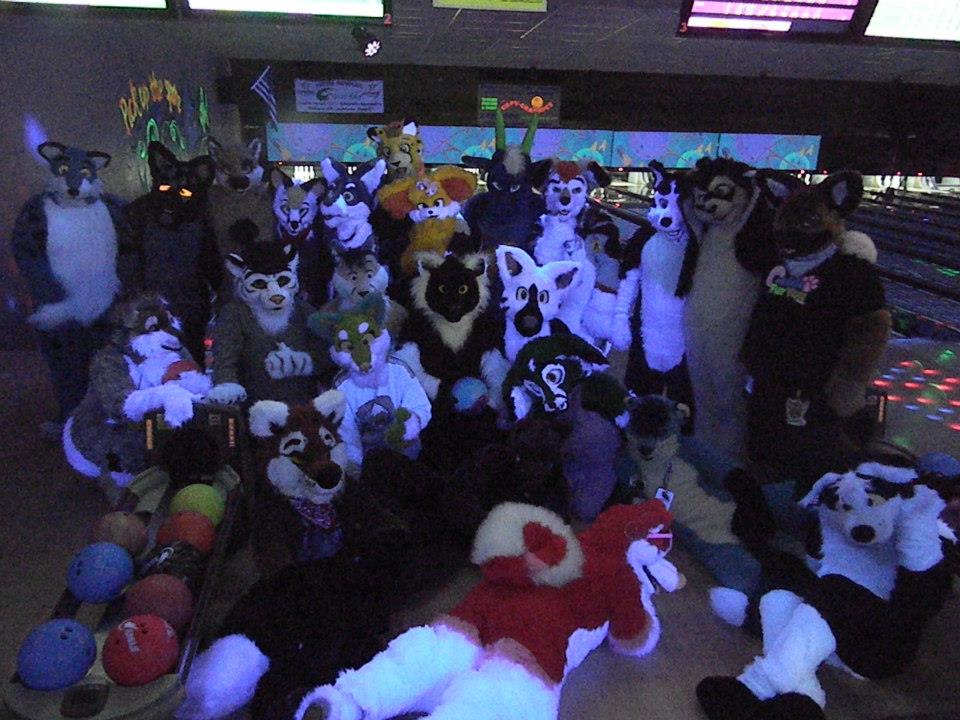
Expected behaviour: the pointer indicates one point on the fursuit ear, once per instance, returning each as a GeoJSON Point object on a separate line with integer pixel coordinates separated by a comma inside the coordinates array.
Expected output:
{"type": "Point", "coordinates": [512, 261]}
{"type": "Point", "coordinates": [596, 175]}
{"type": "Point", "coordinates": [376, 134]}
{"type": "Point", "coordinates": [658, 170]}
{"type": "Point", "coordinates": [457, 183]}
{"type": "Point", "coordinates": [394, 198]}
{"type": "Point", "coordinates": [314, 186]}
{"type": "Point", "coordinates": [293, 257]}
{"type": "Point", "coordinates": [375, 306]}
{"type": "Point", "coordinates": [409, 127]}
{"type": "Point", "coordinates": [253, 148]}
{"type": "Point", "coordinates": [332, 170]}
{"type": "Point", "coordinates": [332, 405]}
{"type": "Point", "coordinates": [99, 159]}
{"type": "Point", "coordinates": [268, 417]}
{"type": "Point", "coordinates": [562, 272]}
{"type": "Point", "coordinates": [279, 179]}
{"type": "Point", "coordinates": [236, 265]}
{"type": "Point", "coordinates": [475, 263]}
{"type": "Point", "coordinates": [587, 353]}
{"type": "Point", "coordinates": [374, 175]}
{"type": "Point", "coordinates": [778, 185]}
{"type": "Point", "coordinates": [812, 498]}
{"type": "Point", "coordinates": [843, 191]}
{"type": "Point", "coordinates": [428, 261]}
{"type": "Point", "coordinates": [51, 151]}
{"type": "Point", "coordinates": [476, 162]}
{"type": "Point", "coordinates": [160, 159]}
{"type": "Point", "coordinates": [683, 410]}
{"type": "Point", "coordinates": [540, 172]}
{"type": "Point", "coordinates": [203, 169]}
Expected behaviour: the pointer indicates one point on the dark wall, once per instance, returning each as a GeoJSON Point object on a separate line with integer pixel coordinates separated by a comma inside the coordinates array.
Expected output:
{"type": "Point", "coordinates": [865, 125]}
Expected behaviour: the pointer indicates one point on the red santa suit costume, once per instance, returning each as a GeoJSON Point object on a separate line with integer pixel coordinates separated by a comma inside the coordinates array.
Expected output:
{"type": "Point", "coordinates": [547, 598]}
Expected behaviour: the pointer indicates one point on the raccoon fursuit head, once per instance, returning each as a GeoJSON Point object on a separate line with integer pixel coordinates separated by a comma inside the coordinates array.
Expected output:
{"type": "Point", "coordinates": [532, 295]}
{"type": "Point", "coordinates": [349, 199]}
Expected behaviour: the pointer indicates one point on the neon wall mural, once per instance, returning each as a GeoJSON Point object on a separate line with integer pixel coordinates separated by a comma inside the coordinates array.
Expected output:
{"type": "Point", "coordinates": [157, 110]}
{"type": "Point", "coordinates": [311, 142]}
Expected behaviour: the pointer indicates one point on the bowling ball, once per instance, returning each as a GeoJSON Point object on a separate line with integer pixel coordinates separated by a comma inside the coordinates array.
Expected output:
{"type": "Point", "coordinates": [99, 572]}
{"type": "Point", "coordinates": [139, 650]}
{"type": "Point", "coordinates": [204, 499]}
{"type": "Point", "coordinates": [192, 527]}
{"type": "Point", "coordinates": [471, 395]}
{"type": "Point", "coordinates": [165, 596]}
{"type": "Point", "coordinates": [180, 559]}
{"type": "Point", "coordinates": [56, 655]}
{"type": "Point", "coordinates": [121, 528]}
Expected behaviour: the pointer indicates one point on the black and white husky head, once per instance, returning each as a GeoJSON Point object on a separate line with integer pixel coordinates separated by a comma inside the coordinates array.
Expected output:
{"type": "Point", "coordinates": [237, 166]}
{"type": "Point", "coordinates": [73, 177]}
{"type": "Point", "coordinates": [862, 505]}
{"type": "Point", "coordinates": [267, 281]}
{"type": "Point", "coordinates": [666, 213]}
{"type": "Point", "coordinates": [144, 325]}
{"type": "Point", "coordinates": [532, 294]}
{"type": "Point", "coordinates": [349, 200]}
{"type": "Point", "coordinates": [451, 292]}
{"type": "Point", "coordinates": [721, 190]}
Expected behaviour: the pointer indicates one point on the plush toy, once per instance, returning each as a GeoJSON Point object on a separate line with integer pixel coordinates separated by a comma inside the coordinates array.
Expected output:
{"type": "Point", "coordinates": [262, 349]}
{"type": "Point", "coordinates": [432, 201]}
{"type": "Point", "coordinates": [358, 274]}
{"type": "Point", "coordinates": [295, 208]}
{"type": "Point", "coordinates": [240, 191]}
{"type": "Point", "coordinates": [449, 337]}
{"type": "Point", "coordinates": [302, 457]}
{"type": "Point", "coordinates": [547, 598]}
{"type": "Point", "coordinates": [556, 375]}
{"type": "Point", "coordinates": [509, 209]}
{"type": "Point", "coordinates": [173, 249]}
{"type": "Point", "coordinates": [386, 405]}
{"type": "Point", "coordinates": [65, 244]}
{"type": "Point", "coordinates": [144, 368]}
{"type": "Point", "coordinates": [732, 249]}
{"type": "Point", "coordinates": [532, 295]}
{"type": "Point", "coordinates": [816, 336]}
{"type": "Point", "coordinates": [880, 579]}
{"type": "Point", "coordinates": [719, 511]}
{"type": "Point", "coordinates": [400, 147]}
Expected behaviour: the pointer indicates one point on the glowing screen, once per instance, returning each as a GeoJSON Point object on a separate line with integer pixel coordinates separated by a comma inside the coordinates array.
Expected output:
{"type": "Point", "coordinates": [916, 20]}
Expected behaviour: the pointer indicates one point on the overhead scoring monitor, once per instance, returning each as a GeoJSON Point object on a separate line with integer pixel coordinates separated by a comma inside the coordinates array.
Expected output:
{"type": "Point", "coordinates": [916, 20]}
{"type": "Point", "coordinates": [322, 8]}
{"type": "Point", "coordinates": [787, 17]}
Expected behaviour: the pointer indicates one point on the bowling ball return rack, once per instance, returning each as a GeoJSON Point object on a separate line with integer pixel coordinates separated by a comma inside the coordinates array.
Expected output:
{"type": "Point", "coordinates": [97, 697]}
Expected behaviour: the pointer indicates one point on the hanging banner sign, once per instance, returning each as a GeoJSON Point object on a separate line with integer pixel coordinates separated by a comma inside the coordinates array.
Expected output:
{"type": "Point", "coordinates": [510, 5]}
{"type": "Point", "coordinates": [518, 103]}
{"type": "Point", "coordinates": [339, 97]}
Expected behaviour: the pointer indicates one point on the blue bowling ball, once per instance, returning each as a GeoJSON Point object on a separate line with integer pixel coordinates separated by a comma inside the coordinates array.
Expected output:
{"type": "Point", "coordinates": [470, 395]}
{"type": "Point", "coordinates": [56, 655]}
{"type": "Point", "coordinates": [99, 572]}
{"type": "Point", "coordinates": [938, 463]}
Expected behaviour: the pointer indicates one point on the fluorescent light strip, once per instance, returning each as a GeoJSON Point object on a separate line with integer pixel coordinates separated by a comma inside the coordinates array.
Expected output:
{"type": "Point", "coordinates": [766, 9]}
{"type": "Point", "coordinates": [345, 8]}
{"type": "Point", "coordinates": [844, 3]}
{"type": "Point", "coordinates": [148, 4]}
{"type": "Point", "coordinates": [729, 23]}
{"type": "Point", "coordinates": [913, 20]}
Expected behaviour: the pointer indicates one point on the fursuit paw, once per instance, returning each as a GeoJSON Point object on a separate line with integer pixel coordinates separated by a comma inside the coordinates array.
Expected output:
{"type": "Point", "coordinates": [178, 406]}
{"type": "Point", "coordinates": [49, 317]}
{"type": "Point", "coordinates": [195, 382]}
{"type": "Point", "coordinates": [222, 679]}
{"type": "Point", "coordinates": [285, 362]}
{"type": "Point", "coordinates": [328, 703]}
{"type": "Point", "coordinates": [918, 530]}
{"type": "Point", "coordinates": [227, 394]}
{"type": "Point", "coordinates": [396, 435]}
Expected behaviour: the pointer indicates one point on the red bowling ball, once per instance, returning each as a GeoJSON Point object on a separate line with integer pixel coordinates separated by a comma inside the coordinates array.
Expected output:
{"type": "Point", "coordinates": [140, 650]}
{"type": "Point", "coordinates": [165, 596]}
{"type": "Point", "coordinates": [191, 527]}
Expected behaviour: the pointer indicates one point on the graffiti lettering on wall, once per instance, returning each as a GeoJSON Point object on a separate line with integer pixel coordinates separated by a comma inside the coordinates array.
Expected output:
{"type": "Point", "coordinates": [158, 110]}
